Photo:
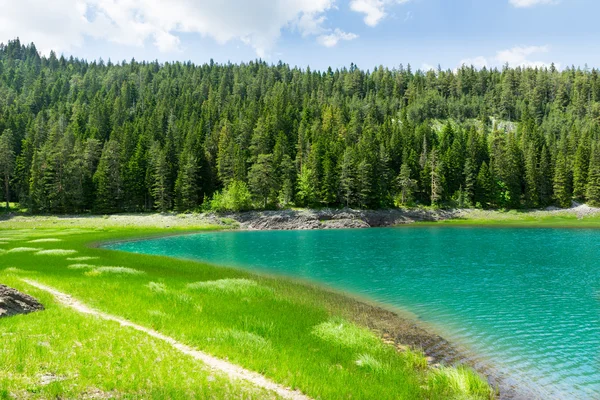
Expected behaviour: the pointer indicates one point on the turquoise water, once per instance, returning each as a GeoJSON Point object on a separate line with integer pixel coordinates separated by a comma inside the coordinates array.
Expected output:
{"type": "Point", "coordinates": [526, 299]}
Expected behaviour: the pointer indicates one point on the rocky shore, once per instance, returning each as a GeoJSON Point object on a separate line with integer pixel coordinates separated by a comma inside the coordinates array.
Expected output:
{"type": "Point", "coordinates": [335, 219]}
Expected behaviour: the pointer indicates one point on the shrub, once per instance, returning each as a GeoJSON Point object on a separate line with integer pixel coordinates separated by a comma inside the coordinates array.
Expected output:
{"type": "Point", "coordinates": [235, 197]}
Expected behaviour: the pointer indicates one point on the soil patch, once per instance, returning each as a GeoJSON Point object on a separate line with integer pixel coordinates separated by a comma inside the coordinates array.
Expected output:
{"type": "Point", "coordinates": [13, 302]}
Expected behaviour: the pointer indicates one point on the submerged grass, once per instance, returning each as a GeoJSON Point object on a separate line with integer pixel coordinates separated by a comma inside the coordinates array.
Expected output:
{"type": "Point", "coordinates": [291, 332]}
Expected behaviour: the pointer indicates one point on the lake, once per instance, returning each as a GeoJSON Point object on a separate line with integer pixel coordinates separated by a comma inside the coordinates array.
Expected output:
{"type": "Point", "coordinates": [526, 299]}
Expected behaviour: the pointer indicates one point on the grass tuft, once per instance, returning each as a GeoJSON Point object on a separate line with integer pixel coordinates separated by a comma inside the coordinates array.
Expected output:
{"type": "Point", "coordinates": [14, 270]}
{"type": "Point", "coordinates": [250, 342]}
{"type": "Point", "coordinates": [56, 252]}
{"type": "Point", "coordinates": [239, 286]}
{"type": "Point", "coordinates": [80, 266]}
{"type": "Point", "coordinates": [344, 333]}
{"type": "Point", "coordinates": [23, 249]}
{"type": "Point", "coordinates": [459, 383]}
{"type": "Point", "coordinates": [369, 362]}
{"type": "Point", "coordinates": [117, 270]}
{"type": "Point", "coordinates": [45, 240]}
{"type": "Point", "coordinates": [83, 258]}
{"type": "Point", "coordinates": [156, 287]}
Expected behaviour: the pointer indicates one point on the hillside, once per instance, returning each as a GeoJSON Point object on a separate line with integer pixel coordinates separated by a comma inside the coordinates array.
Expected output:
{"type": "Point", "coordinates": [107, 137]}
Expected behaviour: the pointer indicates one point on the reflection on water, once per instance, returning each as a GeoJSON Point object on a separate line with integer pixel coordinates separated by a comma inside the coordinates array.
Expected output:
{"type": "Point", "coordinates": [525, 298]}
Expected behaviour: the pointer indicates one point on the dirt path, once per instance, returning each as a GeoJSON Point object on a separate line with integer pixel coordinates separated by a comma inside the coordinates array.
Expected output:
{"type": "Point", "coordinates": [231, 370]}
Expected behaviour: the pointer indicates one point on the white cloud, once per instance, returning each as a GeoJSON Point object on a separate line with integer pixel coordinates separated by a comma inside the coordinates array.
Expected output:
{"type": "Point", "coordinates": [63, 24]}
{"type": "Point", "coordinates": [427, 67]}
{"type": "Point", "coordinates": [334, 37]}
{"type": "Point", "coordinates": [477, 62]}
{"type": "Point", "coordinates": [519, 56]}
{"type": "Point", "coordinates": [374, 10]}
{"type": "Point", "coordinates": [530, 3]}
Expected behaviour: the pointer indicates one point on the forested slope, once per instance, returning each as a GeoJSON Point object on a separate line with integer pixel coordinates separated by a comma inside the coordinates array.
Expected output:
{"type": "Point", "coordinates": [134, 136]}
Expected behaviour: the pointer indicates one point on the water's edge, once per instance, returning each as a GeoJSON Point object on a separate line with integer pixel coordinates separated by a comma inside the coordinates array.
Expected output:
{"type": "Point", "coordinates": [394, 325]}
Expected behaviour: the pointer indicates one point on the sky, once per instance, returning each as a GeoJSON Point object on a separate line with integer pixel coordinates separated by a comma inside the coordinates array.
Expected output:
{"type": "Point", "coordinates": [315, 33]}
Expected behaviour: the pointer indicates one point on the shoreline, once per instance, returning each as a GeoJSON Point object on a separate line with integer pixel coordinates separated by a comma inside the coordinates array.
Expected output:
{"type": "Point", "coordinates": [578, 216]}
{"type": "Point", "coordinates": [394, 325]}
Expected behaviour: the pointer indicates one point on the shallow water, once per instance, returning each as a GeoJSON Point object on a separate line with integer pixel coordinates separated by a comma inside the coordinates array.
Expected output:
{"type": "Point", "coordinates": [526, 299]}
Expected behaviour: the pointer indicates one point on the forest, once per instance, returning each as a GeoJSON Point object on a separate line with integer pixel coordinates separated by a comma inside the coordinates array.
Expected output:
{"type": "Point", "coordinates": [104, 137]}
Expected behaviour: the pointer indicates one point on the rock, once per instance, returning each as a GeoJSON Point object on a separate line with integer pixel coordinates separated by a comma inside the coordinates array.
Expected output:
{"type": "Point", "coordinates": [333, 218]}
{"type": "Point", "coordinates": [13, 302]}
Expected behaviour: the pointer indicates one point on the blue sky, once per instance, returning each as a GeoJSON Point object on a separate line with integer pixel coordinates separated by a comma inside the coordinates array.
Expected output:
{"type": "Point", "coordinates": [318, 33]}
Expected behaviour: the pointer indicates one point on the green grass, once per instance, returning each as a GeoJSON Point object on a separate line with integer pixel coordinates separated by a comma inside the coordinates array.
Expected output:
{"type": "Point", "coordinates": [295, 334]}
{"type": "Point", "coordinates": [515, 218]}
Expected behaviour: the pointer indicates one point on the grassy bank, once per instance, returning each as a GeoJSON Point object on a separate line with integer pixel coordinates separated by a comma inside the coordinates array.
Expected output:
{"type": "Point", "coordinates": [295, 334]}
{"type": "Point", "coordinates": [569, 218]}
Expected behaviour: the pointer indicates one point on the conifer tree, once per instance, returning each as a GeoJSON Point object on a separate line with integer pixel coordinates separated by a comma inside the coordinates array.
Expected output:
{"type": "Point", "coordinates": [592, 192]}
{"type": "Point", "coordinates": [107, 180]}
{"type": "Point", "coordinates": [261, 179]}
{"type": "Point", "coordinates": [187, 188]}
{"type": "Point", "coordinates": [581, 166]}
{"type": "Point", "coordinates": [545, 177]}
{"type": "Point", "coordinates": [406, 185]}
{"type": "Point", "coordinates": [562, 192]}
{"type": "Point", "coordinates": [470, 179]}
{"type": "Point", "coordinates": [436, 178]}
{"type": "Point", "coordinates": [160, 178]}
{"type": "Point", "coordinates": [348, 178]}
{"type": "Point", "coordinates": [307, 191]}
{"type": "Point", "coordinates": [7, 162]}
{"type": "Point", "coordinates": [532, 179]}
{"type": "Point", "coordinates": [485, 186]}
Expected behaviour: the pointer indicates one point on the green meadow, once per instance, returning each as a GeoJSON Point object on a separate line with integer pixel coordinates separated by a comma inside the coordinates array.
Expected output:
{"type": "Point", "coordinates": [295, 334]}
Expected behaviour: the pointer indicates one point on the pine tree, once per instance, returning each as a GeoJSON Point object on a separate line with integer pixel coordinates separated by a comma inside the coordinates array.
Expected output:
{"type": "Point", "coordinates": [485, 185]}
{"type": "Point", "coordinates": [532, 179]}
{"type": "Point", "coordinates": [592, 192]}
{"type": "Point", "coordinates": [226, 155]}
{"type": "Point", "coordinates": [348, 178]}
{"type": "Point", "coordinates": [406, 185]}
{"type": "Point", "coordinates": [160, 178]}
{"type": "Point", "coordinates": [470, 179]}
{"type": "Point", "coordinates": [562, 192]}
{"type": "Point", "coordinates": [580, 168]}
{"type": "Point", "coordinates": [7, 162]}
{"type": "Point", "coordinates": [436, 178]}
{"type": "Point", "coordinates": [307, 191]}
{"type": "Point", "coordinates": [545, 176]}
{"type": "Point", "coordinates": [107, 180]}
{"type": "Point", "coordinates": [364, 183]}
{"type": "Point", "coordinates": [287, 173]}
{"type": "Point", "coordinates": [261, 179]}
{"type": "Point", "coordinates": [187, 188]}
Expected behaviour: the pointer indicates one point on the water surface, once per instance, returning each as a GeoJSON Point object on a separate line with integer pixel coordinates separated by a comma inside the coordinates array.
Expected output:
{"type": "Point", "coordinates": [527, 299]}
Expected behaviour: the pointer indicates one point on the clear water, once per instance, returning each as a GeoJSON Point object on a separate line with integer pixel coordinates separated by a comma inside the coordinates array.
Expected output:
{"type": "Point", "coordinates": [526, 299]}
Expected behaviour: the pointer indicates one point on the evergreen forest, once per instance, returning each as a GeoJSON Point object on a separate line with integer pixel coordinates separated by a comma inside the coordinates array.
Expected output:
{"type": "Point", "coordinates": [104, 137]}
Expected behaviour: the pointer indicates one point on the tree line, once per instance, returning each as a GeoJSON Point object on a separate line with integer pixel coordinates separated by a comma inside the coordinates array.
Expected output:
{"type": "Point", "coordinates": [79, 136]}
